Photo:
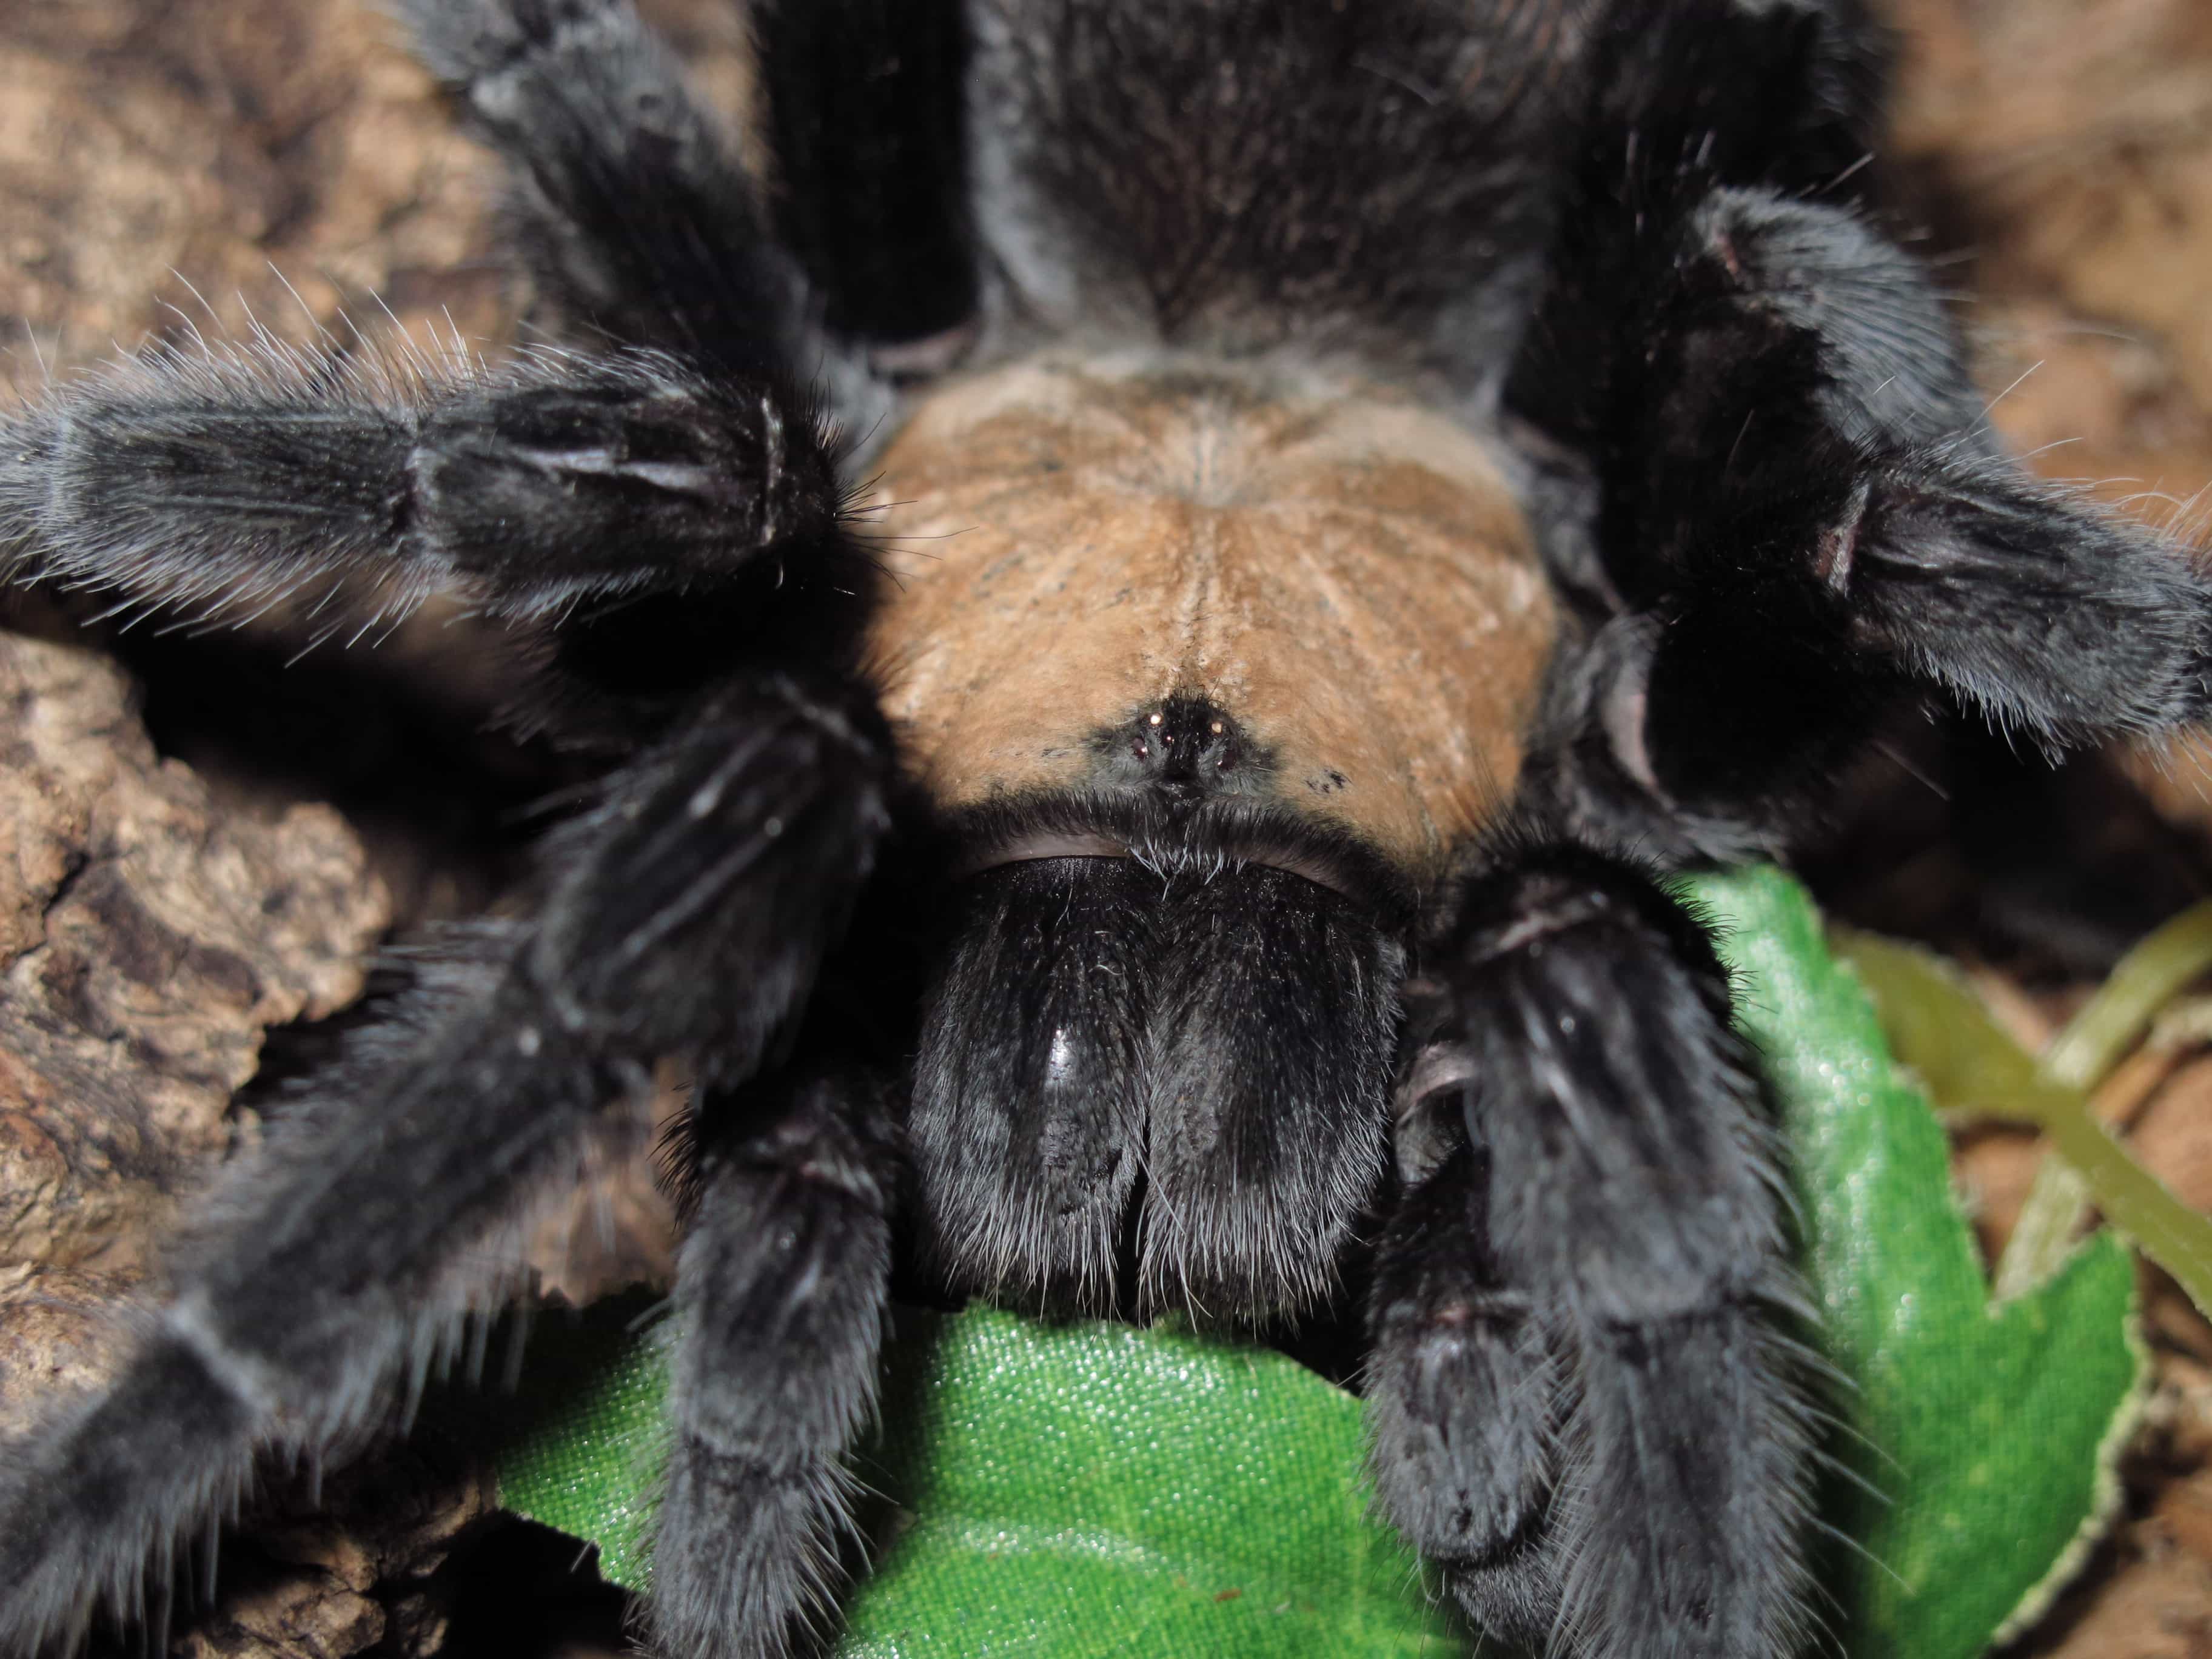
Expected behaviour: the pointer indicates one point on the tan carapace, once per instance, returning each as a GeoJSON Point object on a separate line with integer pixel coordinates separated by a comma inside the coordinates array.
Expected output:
{"type": "Point", "coordinates": [1343, 571]}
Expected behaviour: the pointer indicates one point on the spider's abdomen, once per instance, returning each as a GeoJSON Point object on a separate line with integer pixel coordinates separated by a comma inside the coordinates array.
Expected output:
{"type": "Point", "coordinates": [1087, 549]}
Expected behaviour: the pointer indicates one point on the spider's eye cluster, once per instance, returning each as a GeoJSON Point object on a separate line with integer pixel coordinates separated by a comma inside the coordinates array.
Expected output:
{"type": "Point", "coordinates": [1185, 748]}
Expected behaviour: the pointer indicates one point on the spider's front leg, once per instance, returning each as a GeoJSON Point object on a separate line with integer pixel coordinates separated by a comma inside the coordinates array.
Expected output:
{"type": "Point", "coordinates": [1579, 1401]}
{"type": "Point", "coordinates": [686, 913]}
{"type": "Point", "coordinates": [1795, 503]}
{"type": "Point", "coordinates": [221, 486]}
{"type": "Point", "coordinates": [781, 1289]}
{"type": "Point", "coordinates": [656, 492]}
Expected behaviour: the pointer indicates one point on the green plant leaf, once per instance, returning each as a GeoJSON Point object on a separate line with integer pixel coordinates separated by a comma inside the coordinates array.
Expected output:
{"type": "Point", "coordinates": [1938, 1029]}
{"type": "Point", "coordinates": [1071, 1490]}
{"type": "Point", "coordinates": [1981, 1438]}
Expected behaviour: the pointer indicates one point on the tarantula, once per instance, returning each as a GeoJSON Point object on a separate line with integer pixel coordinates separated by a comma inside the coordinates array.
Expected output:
{"type": "Point", "coordinates": [1395, 478]}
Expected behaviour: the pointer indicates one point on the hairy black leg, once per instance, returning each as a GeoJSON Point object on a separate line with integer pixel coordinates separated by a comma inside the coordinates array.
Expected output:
{"type": "Point", "coordinates": [780, 1305]}
{"type": "Point", "coordinates": [1464, 1398]}
{"type": "Point", "coordinates": [222, 485]}
{"type": "Point", "coordinates": [1793, 491]}
{"type": "Point", "coordinates": [641, 522]}
{"type": "Point", "coordinates": [634, 215]}
{"type": "Point", "coordinates": [687, 914]}
{"type": "Point", "coordinates": [1580, 1406]}
{"type": "Point", "coordinates": [1683, 97]}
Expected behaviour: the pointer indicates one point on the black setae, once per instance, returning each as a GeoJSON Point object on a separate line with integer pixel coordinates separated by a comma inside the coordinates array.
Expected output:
{"type": "Point", "coordinates": [1366, 490]}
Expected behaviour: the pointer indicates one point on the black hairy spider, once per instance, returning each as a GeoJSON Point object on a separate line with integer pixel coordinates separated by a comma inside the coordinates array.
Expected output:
{"type": "Point", "coordinates": [1369, 486]}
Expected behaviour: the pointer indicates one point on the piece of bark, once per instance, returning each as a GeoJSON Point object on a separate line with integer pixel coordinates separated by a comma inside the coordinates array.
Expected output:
{"type": "Point", "coordinates": [2150, 1598]}
{"type": "Point", "coordinates": [146, 943]}
{"type": "Point", "coordinates": [148, 940]}
{"type": "Point", "coordinates": [228, 165]}
{"type": "Point", "coordinates": [352, 1565]}
{"type": "Point", "coordinates": [173, 165]}
{"type": "Point", "coordinates": [302, 1618]}
{"type": "Point", "coordinates": [168, 168]}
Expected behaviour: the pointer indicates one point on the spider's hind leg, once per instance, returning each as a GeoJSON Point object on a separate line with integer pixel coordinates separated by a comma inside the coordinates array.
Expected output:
{"type": "Point", "coordinates": [1579, 1400]}
{"type": "Point", "coordinates": [687, 914]}
{"type": "Point", "coordinates": [1794, 498]}
{"type": "Point", "coordinates": [640, 221]}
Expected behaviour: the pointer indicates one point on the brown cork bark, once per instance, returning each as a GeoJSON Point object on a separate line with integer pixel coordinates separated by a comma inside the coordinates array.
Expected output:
{"type": "Point", "coordinates": [148, 943]}
{"type": "Point", "coordinates": [149, 939]}
{"type": "Point", "coordinates": [166, 166]}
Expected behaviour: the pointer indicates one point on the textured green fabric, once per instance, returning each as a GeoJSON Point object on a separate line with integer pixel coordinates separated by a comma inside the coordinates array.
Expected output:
{"type": "Point", "coordinates": [1980, 1440]}
{"type": "Point", "coordinates": [1097, 1490]}
{"type": "Point", "coordinates": [582, 1451]}
{"type": "Point", "coordinates": [1062, 1490]}
{"type": "Point", "coordinates": [1066, 1491]}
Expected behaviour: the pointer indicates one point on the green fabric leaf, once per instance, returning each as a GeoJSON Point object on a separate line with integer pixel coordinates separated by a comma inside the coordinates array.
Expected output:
{"type": "Point", "coordinates": [1982, 1438]}
{"type": "Point", "coordinates": [1071, 1491]}
{"type": "Point", "coordinates": [1097, 1490]}
{"type": "Point", "coordinates": [579, 1450]}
